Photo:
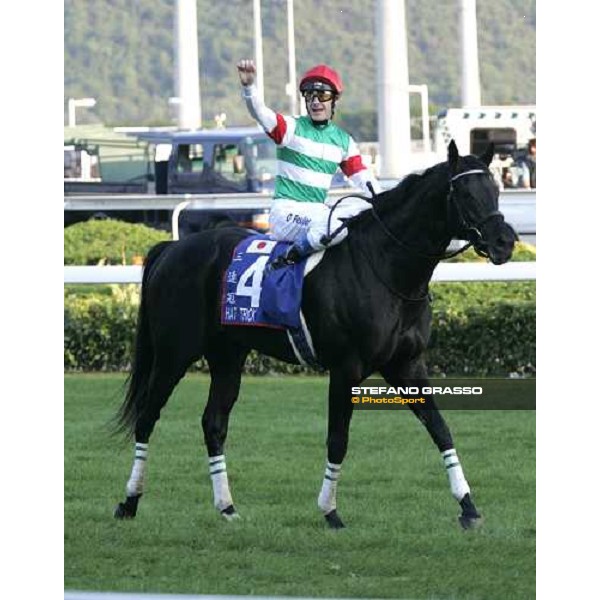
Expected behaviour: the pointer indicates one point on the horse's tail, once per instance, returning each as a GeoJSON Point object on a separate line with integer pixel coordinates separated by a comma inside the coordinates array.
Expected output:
{"type": "Point", "coordinates": [143, 357]}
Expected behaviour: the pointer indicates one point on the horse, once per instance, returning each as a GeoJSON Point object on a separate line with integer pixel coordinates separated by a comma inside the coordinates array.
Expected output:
{"type": "Point", "coordinates": [366, 305]}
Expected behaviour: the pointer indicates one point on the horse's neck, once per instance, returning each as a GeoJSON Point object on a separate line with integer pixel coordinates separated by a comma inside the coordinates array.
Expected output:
{"type": "Point", "coordinates": [418, 214]}
{"type": "Point", "coordinates": [421, 235]}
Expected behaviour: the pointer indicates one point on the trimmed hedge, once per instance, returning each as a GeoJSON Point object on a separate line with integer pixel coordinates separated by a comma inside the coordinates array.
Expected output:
{"type": "Point", "coordinates": [478, 329]}
{"type": "Point", "coordinates": [100, 329]}
{"type": "Point", "coordinates": [109, 241]}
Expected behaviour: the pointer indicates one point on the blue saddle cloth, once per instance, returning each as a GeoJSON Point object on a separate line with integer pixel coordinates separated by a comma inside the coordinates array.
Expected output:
{"type": "Point", "coordinates": [252, 299]}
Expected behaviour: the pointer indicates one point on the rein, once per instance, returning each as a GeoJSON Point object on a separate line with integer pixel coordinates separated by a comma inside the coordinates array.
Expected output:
{"type": "Point", "coordinates": [326, 240]}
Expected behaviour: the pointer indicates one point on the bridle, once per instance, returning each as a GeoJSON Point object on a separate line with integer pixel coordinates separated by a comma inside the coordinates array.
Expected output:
{"type": "Point", "coordinates": [471, 232]}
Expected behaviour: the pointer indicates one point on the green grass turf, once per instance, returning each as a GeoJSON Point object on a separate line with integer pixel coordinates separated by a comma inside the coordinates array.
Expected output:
{"type": "Point", "coordinates": [402, 538]}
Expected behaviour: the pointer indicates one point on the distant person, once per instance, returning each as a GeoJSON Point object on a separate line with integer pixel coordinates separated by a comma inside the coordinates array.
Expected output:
{"type": "Point", "coordinates": [501, 168]}
{"type": "Point", "coordinates": [508, 177]}
{"type": "Point", "coordinates": [309, 151]}
{"type": "Point", "coordinates": [527, 166]}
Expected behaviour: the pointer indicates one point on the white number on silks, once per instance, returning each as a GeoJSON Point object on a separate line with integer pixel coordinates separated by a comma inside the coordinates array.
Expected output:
{"type": "Point", "coordinates": [254, 272]}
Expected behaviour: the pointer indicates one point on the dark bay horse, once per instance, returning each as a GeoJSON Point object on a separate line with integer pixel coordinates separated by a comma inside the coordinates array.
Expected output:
{"type": "Point", "coordinates": [366, 305]}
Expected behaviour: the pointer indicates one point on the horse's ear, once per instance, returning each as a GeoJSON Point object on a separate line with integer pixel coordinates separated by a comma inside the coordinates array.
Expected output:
{"type": "Point", "coordinates": [487, 156]}
{"type": "Point", "coordinates": [453, 156]}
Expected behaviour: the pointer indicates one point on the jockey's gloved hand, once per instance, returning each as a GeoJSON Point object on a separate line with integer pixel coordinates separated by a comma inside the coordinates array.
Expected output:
{"type": "Point", "coordinates": [247, 71]}
{"type": "Point", "coordinates": [327, 239]}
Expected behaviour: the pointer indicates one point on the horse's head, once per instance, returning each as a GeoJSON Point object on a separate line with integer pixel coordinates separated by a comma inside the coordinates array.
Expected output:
{"type": "Point", "coordinates": [473, 206]}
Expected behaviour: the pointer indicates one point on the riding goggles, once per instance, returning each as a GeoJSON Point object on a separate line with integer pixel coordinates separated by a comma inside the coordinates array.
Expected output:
{"type": "Point", "coordinates": [321, 95]}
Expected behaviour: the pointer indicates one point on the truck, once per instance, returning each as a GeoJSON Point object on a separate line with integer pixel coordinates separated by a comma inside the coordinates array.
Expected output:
{"type": "Point", "coordinates": [233, 161]}
{"type": "Point", "coordinates": [510, 128]}
{"type": "Point", "coordinates": [473, 128]}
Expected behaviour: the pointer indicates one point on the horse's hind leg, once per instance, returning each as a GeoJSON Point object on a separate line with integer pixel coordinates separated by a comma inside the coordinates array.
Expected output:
{"type": "Point", "coordinates": [163, 379]}
{"type": "Point", "coordinates": [437, 428]}
{"type": "Point", "coordinates": [226, 372]}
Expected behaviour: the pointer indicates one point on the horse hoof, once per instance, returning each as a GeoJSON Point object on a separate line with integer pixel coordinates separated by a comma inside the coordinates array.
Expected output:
{"type": "Point", "coordinates": [470, 518]}
{"type": "Point", "coordinates": [121, 512]}
{"type": "Point", "coordinates": [127, 509]}
{"type": "Point", "coordinates": [333, 520]}
{"type": "Point", "coordinates": [230, 514]}
{"type": "Point", "coordinates": [470, 521]}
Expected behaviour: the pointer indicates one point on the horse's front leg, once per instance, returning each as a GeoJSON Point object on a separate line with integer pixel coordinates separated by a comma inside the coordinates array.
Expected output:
{"type": "Point", "coordinates": [340, 415]}
{"type": "Point", "coordinates": [432, 419]}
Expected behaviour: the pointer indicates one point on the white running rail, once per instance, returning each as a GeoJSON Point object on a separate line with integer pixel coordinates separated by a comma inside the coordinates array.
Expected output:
{"type": "Point", "coordinates": [515, 271]}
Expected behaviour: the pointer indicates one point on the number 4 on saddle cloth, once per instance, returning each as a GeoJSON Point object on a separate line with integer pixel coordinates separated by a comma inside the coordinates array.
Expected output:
{"type": "Point", "coordinates": [252, 298]}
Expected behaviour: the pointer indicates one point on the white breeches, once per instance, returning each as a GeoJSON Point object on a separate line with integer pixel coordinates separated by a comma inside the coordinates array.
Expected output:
{"type": "Point", "coordinates": [289, 219]}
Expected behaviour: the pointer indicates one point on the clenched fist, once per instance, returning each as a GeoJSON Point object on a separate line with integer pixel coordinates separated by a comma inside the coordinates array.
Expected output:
{"type": "Point", "coordinates": [247, 71]}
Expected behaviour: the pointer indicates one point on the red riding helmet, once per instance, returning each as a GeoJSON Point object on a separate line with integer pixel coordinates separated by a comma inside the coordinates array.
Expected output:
{"type": "Point", "coordinates": [321, 77]}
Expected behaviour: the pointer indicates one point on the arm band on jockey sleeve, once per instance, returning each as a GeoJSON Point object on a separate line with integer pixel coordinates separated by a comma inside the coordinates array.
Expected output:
{"type": "Point", "coordinates": [355, 170]}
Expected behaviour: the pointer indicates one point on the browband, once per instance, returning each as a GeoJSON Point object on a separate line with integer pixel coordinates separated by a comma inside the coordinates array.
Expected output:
{"type": "Point", "coordinates": [472, 171]}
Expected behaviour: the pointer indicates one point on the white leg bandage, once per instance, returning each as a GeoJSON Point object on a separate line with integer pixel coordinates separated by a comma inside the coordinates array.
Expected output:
{"type": "Point", "coordinates": [458, 484]}
{"type": "Point", "coordinates": [135, 485]}
{"type": "Point", "coordinates": [218, 476]}
{"type": "Point", "coordinates": [327, 497]}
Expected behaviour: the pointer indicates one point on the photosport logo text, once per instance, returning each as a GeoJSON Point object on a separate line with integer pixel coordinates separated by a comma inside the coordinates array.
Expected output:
{"type": "Point", "coordinates": [450, 394]}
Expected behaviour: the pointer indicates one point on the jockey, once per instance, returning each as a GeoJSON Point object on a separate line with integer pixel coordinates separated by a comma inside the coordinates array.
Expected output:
{"type": "Point", "coordinates": [310, 150]}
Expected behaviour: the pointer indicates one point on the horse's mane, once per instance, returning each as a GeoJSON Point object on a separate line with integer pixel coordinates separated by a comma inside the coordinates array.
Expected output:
{"type": "Point", "coordinates": [405, 189]}
{"type": "Point", "coordinates": [412, 186]}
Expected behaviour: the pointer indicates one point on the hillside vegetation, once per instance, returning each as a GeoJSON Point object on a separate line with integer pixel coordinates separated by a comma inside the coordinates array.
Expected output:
{"type": "Point", "coordinates": [121, 53]}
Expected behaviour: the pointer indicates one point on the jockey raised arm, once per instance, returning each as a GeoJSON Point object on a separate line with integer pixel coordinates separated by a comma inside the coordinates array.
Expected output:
{"type": "Point", "coordinates": [310, 149]}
